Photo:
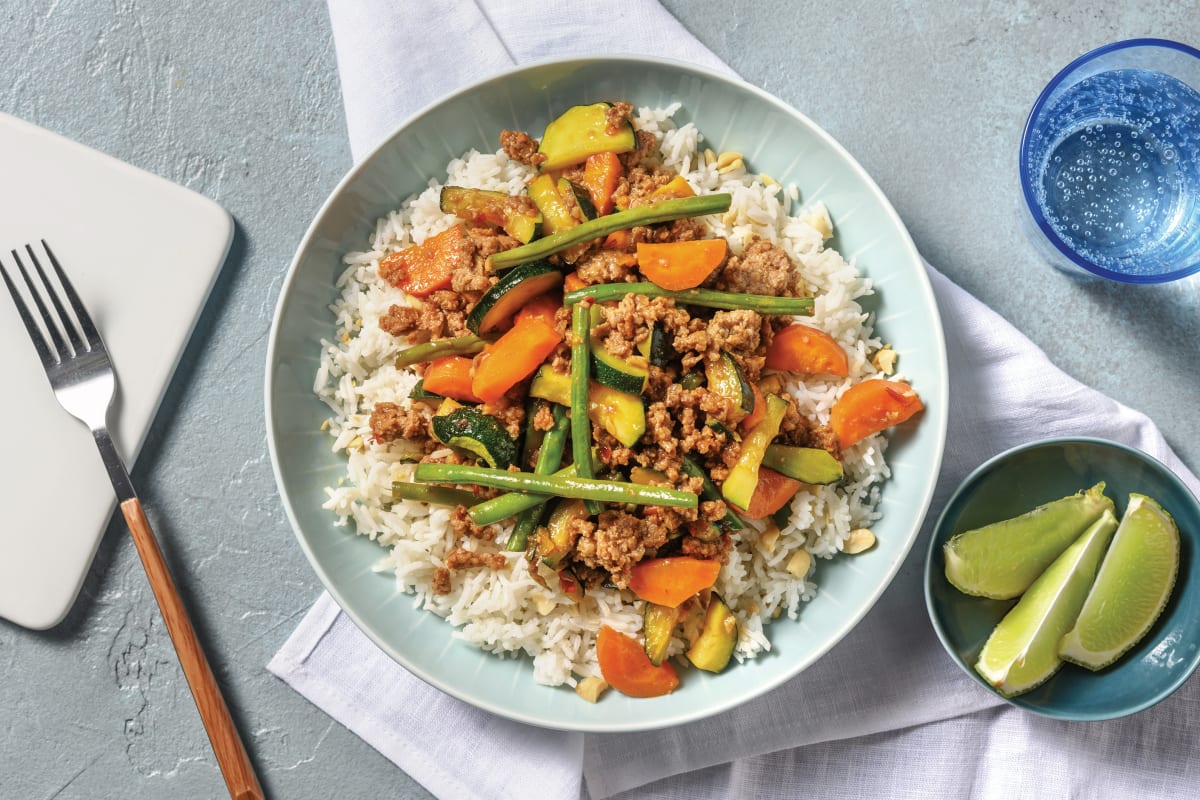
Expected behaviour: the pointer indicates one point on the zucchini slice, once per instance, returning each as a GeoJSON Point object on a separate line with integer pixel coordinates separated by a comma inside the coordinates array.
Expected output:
{"type": "Point", "coordinates": [627, 375]}
{"type": "Point", "coordinates": [468, 428]}
{"type": "Point", "coordinates": [656, 348]}
{"type": "Point", "coordinates": [582, 131]}
{"type": "Point", "coordinates": [621, 414]}
{"type": "Point", "coordinates": [516, 215]}
{"type": "Point", "coordinates": [646, 477]}
{"type": "Point", "coordinates": [716, 425]}
{"type": "Point", "coordinates": [658, 622]}
{"type": "Point", "coordinates": [509, 294]}
{"type": "Point", "coordinates": [739, 487]}
{"type": "Point", "coordinates": [556, 215]}
{"type": "Point", "coordinates": [804, 464]}
{"type": "Point", "coordinates": [725, 378]}
{"type": "Point", "coordinates": [714, 646]}
{"type": "Point", "coordinates": [583, 198]}
{"type": "Point", "coordinates": [553, 541]}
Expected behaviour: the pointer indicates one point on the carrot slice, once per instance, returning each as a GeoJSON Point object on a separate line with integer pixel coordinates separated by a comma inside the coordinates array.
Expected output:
{"type": "Point", "coordinates": [601, 174]}
{"type": "Point", "coordinates": [572, 281]}
{"type": "Point", "coordinates": [676, 187]}
{"type": "Point", "coordinates": [772, 492]}
{"type": "Point", "coordinates": [450, 376]}
{"type": "Point", "coordinates": [870, 407]}
{"type": "Point", "coordinates": [513, 357]}
{"type": "Point", "coordinates": [425, 268]}
{"type": "Point", "coordinates": [801, 348]}
{"type": "Point", "coordinates": [543, 307]}
{"type": "Point", "coordinates": [760, 409]}
{"type": "Point", "coordinates": [670, 581]}
{"type": "Point", "coordinates": [680, 265]}
{"type": "Point", "coordinates": [627, 668]}
{"type": "Point", "coordinates": [618, 240]}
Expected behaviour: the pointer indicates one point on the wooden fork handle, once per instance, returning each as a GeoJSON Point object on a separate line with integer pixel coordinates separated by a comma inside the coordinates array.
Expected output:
{"type": "Point", "coordinates": [227, 744]}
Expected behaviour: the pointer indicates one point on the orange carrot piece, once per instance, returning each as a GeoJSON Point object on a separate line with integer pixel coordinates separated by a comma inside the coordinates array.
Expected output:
{"type": "Point", "coordinates": [513, 357]}
{"type": "Point", "coordinates": [680, 265]}
{"type": "Point", "coordinates": [804, 349]}
{"type": "Point", "coordinates": [572, 281]}
{"type": "Point", "coordinates": [618, 240]}
{"type": "Point", "coordinates": [425, 268]}
{"type": "Point", "coordinates": [670, 581]}
{"type": "Point", "coordinates": [676, 187]}
{"type": "Point", "coordinates": [450, 376]}
{"type": "Point", "coordinates": [543, 307]}
{"type": "Point", "coordinates": [626, 667]}
{"type": "Point", "coordinates": [601, 174]}
{"type": "Point", "coordinates": [870, 407]}
{"type": "Point", "coordinates": [760, 409]}
{"type": "Point", "coordinates": [772, 492]}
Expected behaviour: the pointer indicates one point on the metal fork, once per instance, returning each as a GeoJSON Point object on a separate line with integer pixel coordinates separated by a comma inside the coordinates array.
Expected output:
{"type": "Point", "coordinates": [82, 378]}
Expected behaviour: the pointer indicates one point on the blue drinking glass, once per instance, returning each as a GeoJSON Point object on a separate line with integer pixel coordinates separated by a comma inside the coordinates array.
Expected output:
{"type": "Point", "coordinates": [1110, 163]}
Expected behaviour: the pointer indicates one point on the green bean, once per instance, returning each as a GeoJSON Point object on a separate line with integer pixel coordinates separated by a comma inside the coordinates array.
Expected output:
{"type": "Point", "coordinates": [557, 485]}
{"type": "Point", "coordinates": [462, 346]}
{"type": "Point", "coordinates": [440, 495]}
{"type": "Point", "coordinates": [549, 459]}
{"type": "Point", "coordinates": [513, 503]}
{"type": "Point", "coordinates": [711, 492]}
{"type": "Point", "coordinates": [581, 424]}
{"type": "Point", "coordinates": [709, 298]}
{"type": "Point", "coordinates": [665, 211]}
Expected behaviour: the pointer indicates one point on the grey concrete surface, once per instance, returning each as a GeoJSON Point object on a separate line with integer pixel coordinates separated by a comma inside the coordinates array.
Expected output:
{"type": "Point", "coordinates": [240, 101]}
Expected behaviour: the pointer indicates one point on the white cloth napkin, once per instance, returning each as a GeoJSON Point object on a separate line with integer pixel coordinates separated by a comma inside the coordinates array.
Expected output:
{"type": "Point", "coordinates": [888, 675]}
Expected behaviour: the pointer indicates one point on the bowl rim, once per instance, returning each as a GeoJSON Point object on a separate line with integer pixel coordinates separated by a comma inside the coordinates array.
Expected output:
{"type": "Point", "coordinates": [939, 395]}
{"type": "Point", "coordinates": [936, 620]}
{"type": "Point", "coordinates": [1026, 178]}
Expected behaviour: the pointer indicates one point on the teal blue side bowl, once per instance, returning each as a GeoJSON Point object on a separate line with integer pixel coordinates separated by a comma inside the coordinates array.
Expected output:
{"type": "Point", "coordinates": [1027, 476]}
{"type": "Point", "coordinates": [733, 116]}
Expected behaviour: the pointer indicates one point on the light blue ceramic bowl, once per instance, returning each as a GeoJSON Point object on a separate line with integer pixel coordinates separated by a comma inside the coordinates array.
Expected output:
{"type": "Point", "coordinates": [734, 116]}
{"type": "Point", "coordinates": [1027, 476]}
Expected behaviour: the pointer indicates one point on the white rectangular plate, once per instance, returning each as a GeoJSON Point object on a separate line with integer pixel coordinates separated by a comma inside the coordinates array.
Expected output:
{"type": "Point", "coordinates": [143, 253]}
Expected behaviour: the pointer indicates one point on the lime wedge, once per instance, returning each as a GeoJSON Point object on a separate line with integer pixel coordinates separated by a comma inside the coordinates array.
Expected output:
{"type": "Point", "coordinates": [1022, 651]}
{"type": "Point", "coordinates": [1131, 589]}
{"type": "Point", "coordinates": [1003, 559]}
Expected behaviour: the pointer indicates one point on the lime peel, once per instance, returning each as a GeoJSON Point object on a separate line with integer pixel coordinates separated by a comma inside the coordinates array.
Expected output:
{"type": "Point", "coordinates": [1131, 590]}
{"type": "Point", "coordinates": [1022, 652]}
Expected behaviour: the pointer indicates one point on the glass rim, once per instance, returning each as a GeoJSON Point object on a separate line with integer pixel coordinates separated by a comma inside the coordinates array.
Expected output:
{"type": "Point", "coordinates": [1026, 179]}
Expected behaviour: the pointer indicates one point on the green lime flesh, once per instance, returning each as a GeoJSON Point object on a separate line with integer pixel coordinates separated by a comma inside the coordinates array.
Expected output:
{"type": "Point", "coordinates": [1131, 590]}
{"type": "Point", "coordinates": [1003, 559]}
{"type": "Point", "coordinates": [1022, 652]}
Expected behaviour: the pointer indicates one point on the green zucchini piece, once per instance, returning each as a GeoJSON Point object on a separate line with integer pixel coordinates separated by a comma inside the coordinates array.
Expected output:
{"type": "Point", "coordinates": [556, 215]}
{"type": "Point", "coordinates": [709, 491]}
{"type": "Point", "coordinates": [725, 378]}
{"type": "Point", "coordinates": [739, 487]}
{"type": "Point", "coordinates": [582, 131]}
{"type": "Point", "coordinates": [805, 464]}
{"type": "Point", "coordinates": [658, 622]}
{"type": "Point", "coordinates": [531, 441]}
{"type": "Point", "coordinates": [553, 540]}
{"type": "Point", "coordinates": [583, 198]}
{"type": "Point", "coordinates": [512, 292]}
{"type": "Point", "coordinates": [693, 380]}
{"type": "Point", "coordinates": [516, 215]}
{"type": "Point", "coordinates": [621, 414]}
{"type": "Point", "coordinates": [783, 517]}
{"type": "Point", "coordinates": [715, 645]}
{"type": "Point", "coordinates": [656, 348]}
{"type": "Point", "coordinates": [627, 375]}
{"type": "Point", "coordinates": [646, 477]}
{"type": "Point", "coordinates": [719, 427]}
{"type": "Point", "coordinates": [468, 428]}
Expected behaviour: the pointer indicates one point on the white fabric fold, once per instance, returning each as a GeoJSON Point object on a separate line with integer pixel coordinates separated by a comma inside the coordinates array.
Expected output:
{"type": "Point", "coordinates": [888, 675]}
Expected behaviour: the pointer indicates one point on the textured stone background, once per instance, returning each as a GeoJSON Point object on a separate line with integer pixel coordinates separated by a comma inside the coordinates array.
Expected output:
{"type": "Point", "coordinates": [240, 101]}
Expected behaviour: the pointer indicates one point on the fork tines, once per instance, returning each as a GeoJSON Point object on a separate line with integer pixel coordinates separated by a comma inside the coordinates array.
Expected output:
{"type": "Point", "coordinates": [64, 335]}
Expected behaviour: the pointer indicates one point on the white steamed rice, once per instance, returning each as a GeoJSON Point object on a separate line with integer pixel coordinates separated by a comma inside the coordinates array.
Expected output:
{"type": "Point", "coordinates": [507, 611]}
